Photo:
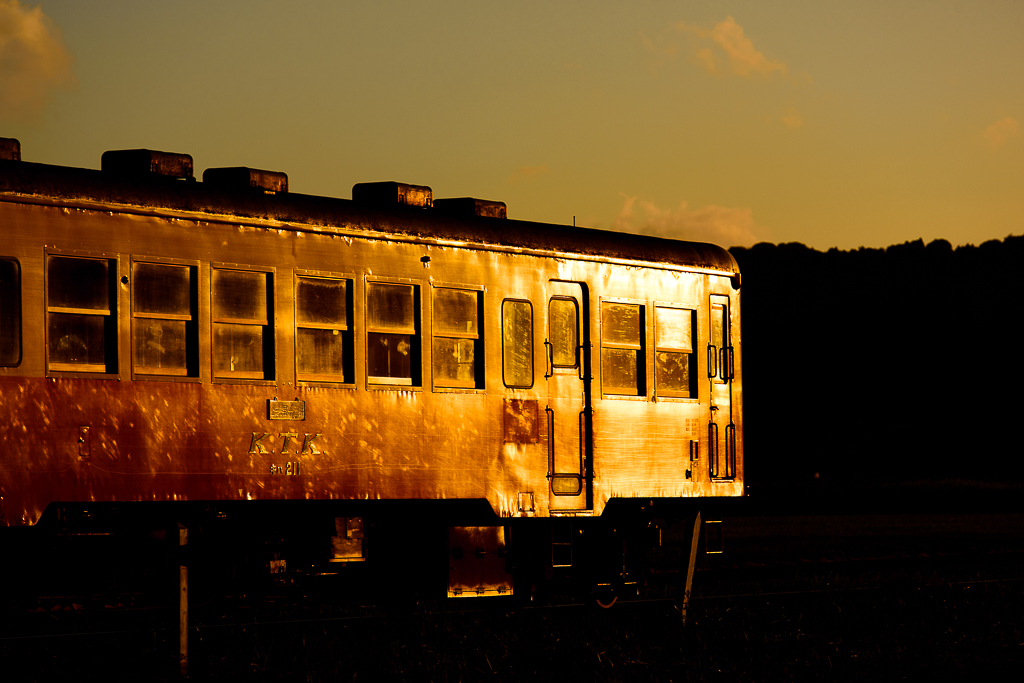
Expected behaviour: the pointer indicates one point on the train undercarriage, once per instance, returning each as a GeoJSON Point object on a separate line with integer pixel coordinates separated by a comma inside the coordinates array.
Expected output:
{"type": "Point", "coordinates": [370, 550]}
{"type": "Point", "coordinates": [171, 558]}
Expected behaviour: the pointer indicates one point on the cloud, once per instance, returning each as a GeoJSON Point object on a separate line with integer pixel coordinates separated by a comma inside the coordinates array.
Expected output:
{"type": "Point", "coordinates": [733, 47]}
{"type": "Point", "coordinates": [33, 60]}
{"type": "Point", "coordinates": [524, 173]}
{"type": "Point", "coordinates": [716, 224]}
{"type": "Point", "coordinates": [999, 133]}
{"type": "Point", "coordinates": [658, 52]}
{"type": "Point", "coordinates": [791, 117]}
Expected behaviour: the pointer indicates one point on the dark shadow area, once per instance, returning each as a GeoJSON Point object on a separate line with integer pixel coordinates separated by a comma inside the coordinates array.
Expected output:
{"type": "Point", "coordinates": [875, 366]}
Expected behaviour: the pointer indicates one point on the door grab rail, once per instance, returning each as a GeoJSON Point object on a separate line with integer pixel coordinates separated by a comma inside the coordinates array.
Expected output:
{"type": "Point", "coordinates": [713, 449]}
{"type": "Point", "coordinates": [551, 440]}
{"type": "Point", "coordinates": [583, 439]}
{"type": "Point", "coordinates": [712, 361]}
{"type": "Point", "coordinates": [730, 451]}
{"type": "Point", "coordinates": [726, 365]}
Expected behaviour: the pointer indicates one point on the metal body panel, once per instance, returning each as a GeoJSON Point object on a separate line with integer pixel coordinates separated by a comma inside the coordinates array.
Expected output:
{"type": "Point", "coordinates": [206, 438]}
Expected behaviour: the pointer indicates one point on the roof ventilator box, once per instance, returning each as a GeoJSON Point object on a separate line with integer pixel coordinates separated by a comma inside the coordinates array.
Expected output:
{"type": "Point", "coordinates": [390, 193]}
{"type": "Point", "coordinates": [147, 162]}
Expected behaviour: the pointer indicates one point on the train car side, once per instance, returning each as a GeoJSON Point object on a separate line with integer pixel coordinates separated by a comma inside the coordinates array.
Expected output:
{"type": "Point", "coordinates": [173, 355]}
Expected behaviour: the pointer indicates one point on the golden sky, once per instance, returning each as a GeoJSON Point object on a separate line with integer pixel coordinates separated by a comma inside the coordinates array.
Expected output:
{"type": "Point", "coordinates": [829, 123]}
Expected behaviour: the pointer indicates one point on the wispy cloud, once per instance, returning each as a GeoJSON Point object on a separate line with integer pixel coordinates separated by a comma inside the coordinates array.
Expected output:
{"type": "Point", "coordinates": [525, 173]}
{"type": "Point", "coordinates": [730, 50]}
{"type": "Point", "coordinates": [791, 117]}
{"type": "Point", "coordinates": [33, 60]}
{"type": "Point", "coordinates": [1000, 133]}
{"type": "Point", "coordinates": [716, 224]}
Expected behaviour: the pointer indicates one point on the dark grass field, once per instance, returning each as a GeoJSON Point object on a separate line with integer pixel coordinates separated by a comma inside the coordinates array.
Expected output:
{"type": "Point", "coordinates": [889, 595]}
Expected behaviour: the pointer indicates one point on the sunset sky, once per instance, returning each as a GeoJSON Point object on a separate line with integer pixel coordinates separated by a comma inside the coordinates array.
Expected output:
{"type": "Point", "coordinates": [829, 123]}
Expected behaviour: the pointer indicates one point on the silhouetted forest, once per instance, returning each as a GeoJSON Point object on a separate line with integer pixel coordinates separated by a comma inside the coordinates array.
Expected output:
{"type": "Point", "coordinates": [883, 364]}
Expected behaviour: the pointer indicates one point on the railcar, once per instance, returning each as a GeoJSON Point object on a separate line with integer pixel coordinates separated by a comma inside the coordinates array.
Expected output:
{"type": "Point", "coordinates": [394, 379]}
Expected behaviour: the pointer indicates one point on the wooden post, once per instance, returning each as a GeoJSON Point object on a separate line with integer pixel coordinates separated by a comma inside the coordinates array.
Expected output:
{"type": "Point", "coordinates": [693, 561]}
{"type": "Point", "coordinates": [182, 601]}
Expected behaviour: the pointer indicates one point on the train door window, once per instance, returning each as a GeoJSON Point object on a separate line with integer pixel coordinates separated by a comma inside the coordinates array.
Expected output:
{"type": "Point", "coordinates": [81, 323]}
{"type": "Point", "coordinates": [674, 360]}
{"type": "Point", "coordinates": [164, 328]}
{"type": "Point", "coordinates": [622, 349]}
{"type": "Point", "coordinates": [243, 338]}
{"type": "Point", "coordinates": [517, 343]}
{"type": "Point", "coordinates": [10, 312]}
{"type": "Point", "coordinates": [719, 351]}
{"type": "Point", "coordinates": [564, 330]}
{"type": "Point", "coordinates": [456, 348]}
{"type": "Point", "coordinates": [323, 335]}
{"type": "Point", "coordinates": [392, 333]}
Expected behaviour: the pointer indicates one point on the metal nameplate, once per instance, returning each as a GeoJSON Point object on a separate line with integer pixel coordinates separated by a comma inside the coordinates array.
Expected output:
{"type": "Point", "coordinates": [285, 410]}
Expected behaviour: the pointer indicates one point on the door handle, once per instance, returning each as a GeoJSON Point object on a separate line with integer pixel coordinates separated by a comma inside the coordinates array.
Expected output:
{"type": "Point", "coordinates": [712, 360]}
{"type": "Point", "coordinates": [583, 439]}
{"type": "Point", "coordinates": [713, 449]}
{"type": "Point", "coordinates": [551, 440]}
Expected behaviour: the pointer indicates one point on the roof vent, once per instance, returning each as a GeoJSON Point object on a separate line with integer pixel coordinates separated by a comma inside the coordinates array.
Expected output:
{"type": "Point", "coordinates": [238, 177]}
{"type": "Point", "coordinates": [10, 149]}
{"type": "Point", "coordinates": [470, 206]}
{"type": "Point", "coordinates": [391, 193]}
{"type": "Point", "coordinates": [145, 162]}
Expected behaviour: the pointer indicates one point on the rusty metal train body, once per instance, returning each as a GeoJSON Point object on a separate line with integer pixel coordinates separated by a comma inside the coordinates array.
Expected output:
{"type": "Point", "coordinates": [174, 341]}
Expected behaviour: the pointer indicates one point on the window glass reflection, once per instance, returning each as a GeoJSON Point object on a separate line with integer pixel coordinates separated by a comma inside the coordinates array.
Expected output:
{"type": "Point", "coordinates": [563, 330]}
{"type": "Point", "coordinates": [240, 295]}
{"type": "Point", "coordinates": [517, 343]}
{"type": "Point", "coordinates": [162, 289]}
{"type": "Point", "coordinates": [622, 356]}
{"type": "Point", "coordinates": [390, 307]}
{"type": "Point", "coordinates": [323, 338]}
{"type": "Point", "coordinates": [243, 339]}
{"type": "Point", "coordinates": [81, 314]}
{"type": "Point", "coordinates": [10, 312]}
{"type": "Point", "coordinates": [456, 338]}
{"type": "Point", "coordinates": [392, 338]}
{"type": "Point", "coordinates": [674, 359]}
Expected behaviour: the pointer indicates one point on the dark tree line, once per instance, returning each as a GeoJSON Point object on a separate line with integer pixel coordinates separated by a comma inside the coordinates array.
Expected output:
{"type": "Point", "coordinates": [901, 363]}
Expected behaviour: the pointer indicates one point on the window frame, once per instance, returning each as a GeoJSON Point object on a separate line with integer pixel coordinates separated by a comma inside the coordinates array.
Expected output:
{"type": "Point", "coordinates": [419, 353]}
{"type": "Point", "coordinates": [192, 349]}
{"type": "Point", "coordinates": [113, 318]}
{"type": "Point", "coordinates": [530, 353]}
{"type": "Point", "coordinates": [670, 394]}
{"type": "Point", "coordinates": [17, 315]}
{"type": "Point", "coordinates": [348, 334]}
{"type": "Point", "coordinates": [479, 360]}
{"type": "Point", "coordinates": [640, 349]}
{"type": "Point", "coordinates": [268, 324]}
{"type": "Point", "coordinates": [576, 350]}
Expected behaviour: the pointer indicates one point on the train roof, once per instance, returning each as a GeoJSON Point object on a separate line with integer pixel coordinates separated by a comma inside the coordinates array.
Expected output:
{"type": "Point", "coordinates": [42, 182]}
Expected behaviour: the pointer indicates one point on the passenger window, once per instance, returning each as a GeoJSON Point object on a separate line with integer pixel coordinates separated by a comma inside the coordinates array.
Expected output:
{"type": "Point", "coordinates": [10, 312]}
{"type": "Point", "coordinates": [243, 339]}
{"type": "Point", "coordinates": [563, 329]}
{"type": "Point", "coordinates": [622, 357]}
{"type": "Point", "coordinates": [674, 360]}
{"type": "Point", "coordinates": [81, 314]}
{"type": "Point", "coordinates": [392, 333]}
{"type": "Point", "coordinates": [457, 338]}
{"type": "Point", "coordinates": [323, 335]}
{"type": "Point", "coordinates": [517, 343]}
{"type": "Point", "coordinates": [164, 330]}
